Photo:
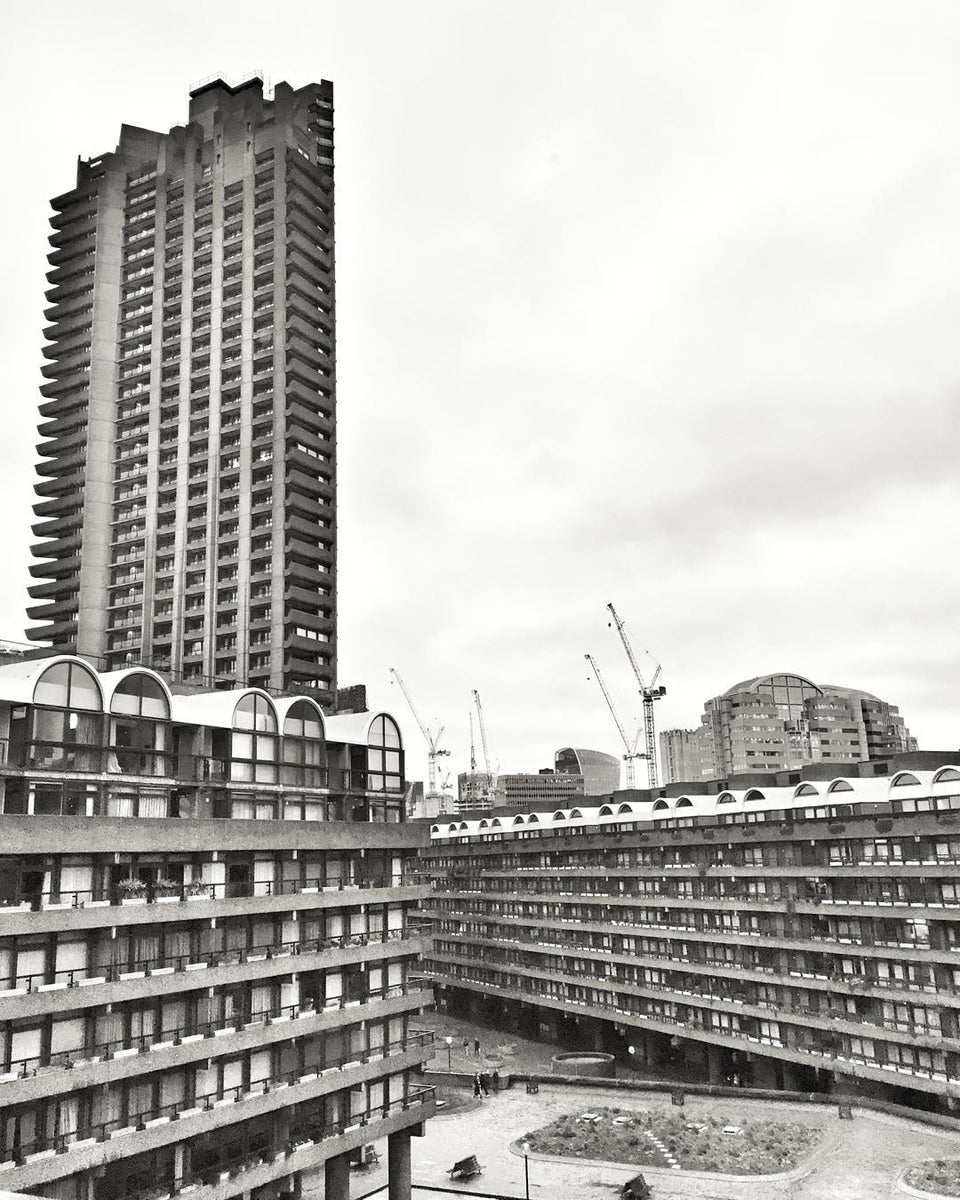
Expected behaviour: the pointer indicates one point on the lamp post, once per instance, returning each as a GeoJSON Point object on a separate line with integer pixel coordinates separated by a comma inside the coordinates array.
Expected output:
{"type": "Point", "coordinates": [449, 1041]}
{"type": "Point", "coordinates": [525, 1147]}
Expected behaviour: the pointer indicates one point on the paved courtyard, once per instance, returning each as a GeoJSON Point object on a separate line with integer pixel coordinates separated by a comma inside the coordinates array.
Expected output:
{"type": "Point", "coordinates": [858, 1160]}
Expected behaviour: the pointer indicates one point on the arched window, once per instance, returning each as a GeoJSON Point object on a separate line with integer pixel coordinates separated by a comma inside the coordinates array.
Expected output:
{"type": "Point", "coordinates": [904, 780]}
{"type": "Point", "coordinates": [684, 802]}
{"type": "Point", "coordinates": [754, 794]}
{"type": "Point", "coordinates": [947, 775]}
{"type": "Point", "coordinates": [139, 726]}
{"type": "Point", "coordinates": [559, 815]}
{"type": "Point", "coordinates": [806, 789]}
{"type": "Point", "coordinates": [64, 727]}
{"type": "Point", "coordinates": [661, 806]}
{"type": "Point", "coordinates": [384, 756]}
{"type": "Point", "coordinates": [840, 785]}
{"type": "Point", "coordinates": [68, 685]}
{"type": "Point", "coordinates": [304, 747]}
{"type": "Point", "coordinates": [254, 741]}
{"type": "Point", "coordinates": [625, 808]}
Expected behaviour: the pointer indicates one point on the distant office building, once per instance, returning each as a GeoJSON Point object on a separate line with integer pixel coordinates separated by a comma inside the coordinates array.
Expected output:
{"type": "Point", "coordinates": [774, 722]}
{"type": "Point", "coordinates": [186, 500]}
{"type": "Point", "coordinates": [543, 789]}
{"type": "Point", "coordinates": [474, 791]}
{"type": "Point", "coordinates": [680, 755]}
{"type": "Point", "coordinates": [478, 791]}
{"type": "Point", "coordinates": [600, 772]}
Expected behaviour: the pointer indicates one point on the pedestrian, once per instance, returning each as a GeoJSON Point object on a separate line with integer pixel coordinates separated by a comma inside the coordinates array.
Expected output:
{"type": "Point", "coordinates": [466, 1044]}
{"type": "Point", "coordinates": [476, 1085]}
{"type": "Point", "coordinates": [476, 1047]}
{"type": "Point", "coordinates": [496, 1080]}
{"type": "Point", "coordinates": [485, 1083]}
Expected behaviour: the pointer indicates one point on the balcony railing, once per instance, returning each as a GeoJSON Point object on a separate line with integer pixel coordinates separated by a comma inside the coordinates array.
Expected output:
{"type": "Point", "coordinates": [105, 973]}
{"type": "Point", "coordinates": [88, 1055]}
{"type": "Point", "coordinates": [103, 1131]}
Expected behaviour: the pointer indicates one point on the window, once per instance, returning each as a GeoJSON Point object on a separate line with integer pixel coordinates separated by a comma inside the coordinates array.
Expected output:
{"type": "Point", "coordinates": [254, 742]}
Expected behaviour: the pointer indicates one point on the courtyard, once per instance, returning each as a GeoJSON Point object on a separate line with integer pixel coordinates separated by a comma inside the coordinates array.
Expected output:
{"type": "Point", "coordinates": [861, 1159]}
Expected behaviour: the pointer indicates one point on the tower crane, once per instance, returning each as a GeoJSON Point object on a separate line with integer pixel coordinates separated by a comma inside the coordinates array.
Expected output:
{"type": "Point", "coordinates": [632, 753]}
{"type": "Point", "coordinates": [650, 692]}
{"type": "Point", "coordinates": [491, 782]}
{"type": "Point", "coordinates": [432, 739]}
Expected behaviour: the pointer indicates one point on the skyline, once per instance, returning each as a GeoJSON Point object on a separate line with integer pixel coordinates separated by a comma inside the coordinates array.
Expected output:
{"type": "Point", "coordinates": [715, 248]}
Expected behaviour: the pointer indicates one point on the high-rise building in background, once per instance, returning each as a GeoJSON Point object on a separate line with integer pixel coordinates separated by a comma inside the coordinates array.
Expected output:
{"type": "Point", "coordinates": [186, 504]}
{"type": "Point", "coordinates": [600, 772]}
{"type": "Point", "coordinates": [680, 754]}
{"type": "Point", "coordinates": [774, 722]}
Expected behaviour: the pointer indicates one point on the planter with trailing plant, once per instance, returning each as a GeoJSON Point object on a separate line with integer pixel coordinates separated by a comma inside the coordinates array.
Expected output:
{"type": "Point", "coordinates": [132, 891]}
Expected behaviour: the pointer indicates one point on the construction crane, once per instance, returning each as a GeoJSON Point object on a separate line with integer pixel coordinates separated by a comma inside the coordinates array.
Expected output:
{"type": "Point", "coordinates": [432, 739]}
{"type": "Point", "coordinates": [632, 753]}
{"type": "Point", "coordinates": [491, 782]}
{"type": "Point", "coordinates": [649, 692]}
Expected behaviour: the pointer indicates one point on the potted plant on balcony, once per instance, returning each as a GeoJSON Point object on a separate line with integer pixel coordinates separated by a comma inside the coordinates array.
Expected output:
{"type": "Point", "coordinates": [166, 889]}
{"type": "Point", "coordinates": [132, 890]}
{"type": "Point", "coordinates": [196, 890]}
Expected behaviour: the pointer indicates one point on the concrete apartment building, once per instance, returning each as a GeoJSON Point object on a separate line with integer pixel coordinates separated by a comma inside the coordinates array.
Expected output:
{"type": "Point", "coordinates": [186, 502]}
{"type": "Point", "coordinates": [793, 930]}
{"type": "Point", "coordinates": [779, 722]}
{"type": "Point", "coordinates": [208, 973]}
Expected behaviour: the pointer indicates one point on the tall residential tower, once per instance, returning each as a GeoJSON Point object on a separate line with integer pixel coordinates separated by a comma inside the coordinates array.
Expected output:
{"type": "Point", "coordinates": [186, 503]}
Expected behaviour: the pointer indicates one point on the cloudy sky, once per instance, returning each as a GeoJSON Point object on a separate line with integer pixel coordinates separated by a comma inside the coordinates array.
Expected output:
{"type": "Point", "coordinates": [647, 302]}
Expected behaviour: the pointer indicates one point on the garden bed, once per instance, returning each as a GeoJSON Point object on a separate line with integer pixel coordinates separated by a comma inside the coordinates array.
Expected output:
{"type": "Point", "coordinates": [718, 1143]}
{"type": "Point", "coordinates": [939, 1175]}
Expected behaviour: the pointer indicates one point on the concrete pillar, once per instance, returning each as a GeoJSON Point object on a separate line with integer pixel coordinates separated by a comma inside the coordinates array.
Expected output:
{"type": "Point", "coordinates": [714, 1064]}
{"type": "Point", "coordinates": [398, 1165]}
{"type": "Point", "coordinates": [790, 1080]}
{"type": "Point", "coordinates": [764, 1072]}
{"type": "Point", "coordinates": [336, 1177]}
{"type": "Point", "coordinates": [181, 1164]}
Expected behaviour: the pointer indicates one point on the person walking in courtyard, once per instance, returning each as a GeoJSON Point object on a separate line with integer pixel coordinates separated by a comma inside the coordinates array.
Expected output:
{"type": "Point", "coordinates": [476, 1047]}
{"type": "Point", "coordinates": [476, 1085]}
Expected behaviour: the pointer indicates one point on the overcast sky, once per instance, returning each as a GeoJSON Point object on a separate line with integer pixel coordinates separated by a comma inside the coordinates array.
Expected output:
{"type": "Point", "coordinates": [655, 303]}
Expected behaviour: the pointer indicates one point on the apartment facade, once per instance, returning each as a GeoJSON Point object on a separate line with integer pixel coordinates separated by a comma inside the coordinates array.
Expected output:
{"type": "Point", "coordinates": [782, 721]}
{"type": "Point", "coordinates": [209, 978]}
{"type": "Point", "coordinates": [798, 933]}
{"type": "Point", "coordinates": [186, 497]}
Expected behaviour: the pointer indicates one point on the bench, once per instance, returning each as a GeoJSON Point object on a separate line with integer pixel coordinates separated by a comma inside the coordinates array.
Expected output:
{"type": "Point", "coordinates": [466, 1168]}
{"type": "Point", "coordinates": [533, 1087]}
{"type": "Point", "coordinates": [845, 1110]}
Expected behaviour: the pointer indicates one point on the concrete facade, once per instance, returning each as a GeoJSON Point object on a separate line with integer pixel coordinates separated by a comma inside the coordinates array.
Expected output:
{"type": "Point", "coordinates": [793, 933]}
{"type": "Point", "coordinates": [205, 940]}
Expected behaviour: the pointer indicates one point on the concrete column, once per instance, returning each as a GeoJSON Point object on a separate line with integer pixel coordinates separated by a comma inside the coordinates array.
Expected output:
{"type": "Point", "coordinates": [336, 1177]}
{"type": "Point", "coordinates": [181, 1164]}
{"type": "Point", "coordinates": [764, 1072]}
{"type": "Point", "coordinates": [714, 1064]}
{"type": "Point", "coordinates": [398, 1165]}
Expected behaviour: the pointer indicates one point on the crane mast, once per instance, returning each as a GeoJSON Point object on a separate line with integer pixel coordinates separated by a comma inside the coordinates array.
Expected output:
{"type": "Point", "coordinates": [432, 739]}
{"type": "Point", "coordinates": [650, 692]}
{"type": "Point", "coordinates": [631, 750]}
{"type": "Point", "coordinates": [491, 787]}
